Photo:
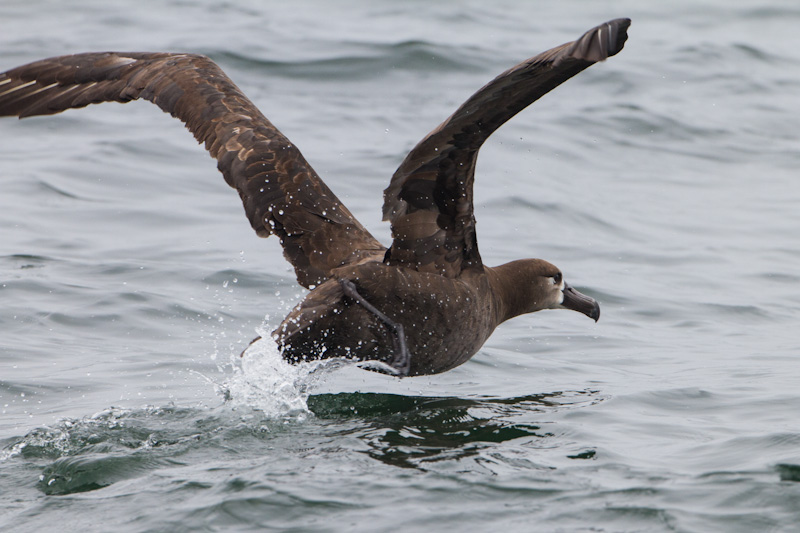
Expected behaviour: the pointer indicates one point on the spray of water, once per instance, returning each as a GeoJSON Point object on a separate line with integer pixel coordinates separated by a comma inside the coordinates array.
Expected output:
{"type": "Point", "coordinates": [262, 380]}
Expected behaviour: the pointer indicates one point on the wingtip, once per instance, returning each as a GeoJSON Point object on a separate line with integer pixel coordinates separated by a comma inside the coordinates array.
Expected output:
{"type": "Point", "coordinates": [618, 34]}
{"type": "Point", "coordinates": [601, 42]}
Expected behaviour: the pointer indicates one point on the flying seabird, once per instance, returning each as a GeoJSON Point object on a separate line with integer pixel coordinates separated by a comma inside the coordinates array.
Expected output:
{"type": "Point", "coordinates": [424, 305]}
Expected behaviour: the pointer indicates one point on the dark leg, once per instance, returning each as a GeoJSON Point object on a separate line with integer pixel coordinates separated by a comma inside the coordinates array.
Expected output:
{"type": "Point", "coordinates": [402, 359]}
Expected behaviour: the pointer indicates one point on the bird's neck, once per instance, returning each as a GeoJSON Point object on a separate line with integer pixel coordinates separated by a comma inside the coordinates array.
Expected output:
{"type": "Point", "coordinates": [510, 289]}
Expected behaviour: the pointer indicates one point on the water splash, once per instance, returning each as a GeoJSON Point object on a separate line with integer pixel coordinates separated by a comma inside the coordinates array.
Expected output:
{"type": "Point", "coordinates": [263, 381]}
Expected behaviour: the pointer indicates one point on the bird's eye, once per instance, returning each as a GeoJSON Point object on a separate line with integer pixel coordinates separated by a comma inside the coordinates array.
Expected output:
{"type": "Point", "coordinates": [557, 279]}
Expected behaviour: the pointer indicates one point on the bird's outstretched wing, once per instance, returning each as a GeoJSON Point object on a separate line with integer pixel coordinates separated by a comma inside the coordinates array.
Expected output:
{"type": "Point", "coordinates": [429, 200]}
{"type": "Point", "coordinates": [281, 193]}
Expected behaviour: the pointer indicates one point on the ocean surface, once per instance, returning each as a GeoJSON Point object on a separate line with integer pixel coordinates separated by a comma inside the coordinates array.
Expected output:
{"type": "Point", "coordinates": [663, 183]}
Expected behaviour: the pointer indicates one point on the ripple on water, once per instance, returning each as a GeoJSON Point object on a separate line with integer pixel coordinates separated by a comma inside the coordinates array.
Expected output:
{"type": "Point", "coordinates": [357, 60]}
{"type": "Point", "coordinates": [268, 406]}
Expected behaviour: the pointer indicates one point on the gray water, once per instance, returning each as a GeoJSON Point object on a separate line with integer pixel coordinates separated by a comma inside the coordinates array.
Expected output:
{"type": "Point", "coordinates": [661, 182]}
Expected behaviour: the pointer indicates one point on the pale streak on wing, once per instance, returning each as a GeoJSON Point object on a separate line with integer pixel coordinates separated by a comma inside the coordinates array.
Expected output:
{"type": "Point", "coordinates": [26, 94]}
{"type": "Point", "coordinates": [281, 193]}
{"type": "Point", "coordinates": [429, 200]}
{"type": "Point", "coordinates": [15, 88]}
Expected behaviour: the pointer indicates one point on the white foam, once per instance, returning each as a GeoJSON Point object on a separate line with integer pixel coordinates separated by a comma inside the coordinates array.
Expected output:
{"type": "Point", "coordinates": [262, 380]}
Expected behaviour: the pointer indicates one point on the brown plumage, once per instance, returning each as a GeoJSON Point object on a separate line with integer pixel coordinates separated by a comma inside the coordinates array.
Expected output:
{"type": "Point", "coordinates": [426, 304]}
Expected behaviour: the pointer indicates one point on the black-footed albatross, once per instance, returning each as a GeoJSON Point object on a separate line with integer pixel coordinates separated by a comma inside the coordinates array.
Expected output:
{"type": "Point", "coordinates": [424, 305]}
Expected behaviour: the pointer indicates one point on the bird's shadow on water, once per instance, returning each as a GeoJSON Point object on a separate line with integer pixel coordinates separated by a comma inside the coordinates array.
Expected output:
{"type": "Point", "coordinates": [415, 432]}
